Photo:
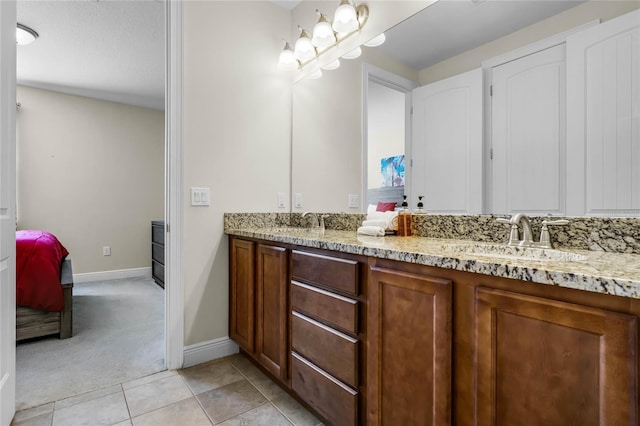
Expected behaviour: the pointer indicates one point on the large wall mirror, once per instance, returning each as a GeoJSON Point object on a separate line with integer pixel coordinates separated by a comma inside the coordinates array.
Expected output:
{"type": "Point", "coordinates": [340, 123]}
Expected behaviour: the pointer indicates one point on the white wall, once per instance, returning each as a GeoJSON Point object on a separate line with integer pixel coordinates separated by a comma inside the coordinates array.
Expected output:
{"type": "Point", "coordinates": [237, 109]}
{"type": "Point", "coordinates": [92, 173]}
{"type": "Point", "coordinates": [385, 132]}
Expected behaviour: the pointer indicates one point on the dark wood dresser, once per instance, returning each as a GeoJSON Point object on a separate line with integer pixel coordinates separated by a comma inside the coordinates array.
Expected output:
{"type": "Point", "coordinates": [157, 251]}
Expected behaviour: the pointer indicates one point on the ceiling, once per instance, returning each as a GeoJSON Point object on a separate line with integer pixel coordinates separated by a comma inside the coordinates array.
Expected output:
{"type": "Point", "coordinates": [450, 27]}
{"type": "Point", "coordinates": [107, 49]}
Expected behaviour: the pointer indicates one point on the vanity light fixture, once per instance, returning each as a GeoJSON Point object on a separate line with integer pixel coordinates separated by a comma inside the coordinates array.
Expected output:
{"type": "Point", "coordinates": [348, 20]}
{"type": "Point", "coordinates": [376, 41]}
{"type": "Point", "coordinates": [315, 75]}
{"type": "Point", "coordinates": [25, 35]}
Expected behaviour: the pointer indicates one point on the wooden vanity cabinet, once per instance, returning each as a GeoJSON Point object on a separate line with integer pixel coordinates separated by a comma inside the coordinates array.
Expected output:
{"type": "Point", "coordinates": [409, 351]}
{"type": "Point", "coordinates": [259, 307]}
{"type": "Point", "coordinates": [326, 334]}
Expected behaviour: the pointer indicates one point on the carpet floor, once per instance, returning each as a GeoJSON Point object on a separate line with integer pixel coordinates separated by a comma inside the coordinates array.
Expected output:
{"type": "Point", "coordinates": [118, 335]}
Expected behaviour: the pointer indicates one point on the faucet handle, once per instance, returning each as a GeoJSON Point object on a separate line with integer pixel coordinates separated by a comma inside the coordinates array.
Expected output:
{"type": "Point", "coordinates": [545, 239]}
{"type": "Point", "coordinates": [513, 234]}
{"type": "Point", "coordinates": [503, 220]}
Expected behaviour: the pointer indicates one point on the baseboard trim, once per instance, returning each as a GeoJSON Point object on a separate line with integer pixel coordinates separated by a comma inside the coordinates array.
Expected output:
{"type": "Point", "coordinates": [112, 275]}
{"type": "Point", "coordinates": [209, 350]}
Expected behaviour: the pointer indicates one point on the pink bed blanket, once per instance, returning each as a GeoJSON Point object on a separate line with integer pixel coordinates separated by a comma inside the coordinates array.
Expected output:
{"type": "Point", "coordinates": [39, 255]}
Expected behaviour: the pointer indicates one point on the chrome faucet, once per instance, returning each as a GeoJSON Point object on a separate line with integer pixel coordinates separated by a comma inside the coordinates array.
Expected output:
{"type": "Point", "coordinates": [318, 222]}
{"type": "Point", "coordinates": [521, 220]}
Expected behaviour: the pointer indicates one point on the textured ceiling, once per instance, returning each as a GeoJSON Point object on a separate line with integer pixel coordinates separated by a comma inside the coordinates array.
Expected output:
{"type": "Point", "coordinates": [111, 50]}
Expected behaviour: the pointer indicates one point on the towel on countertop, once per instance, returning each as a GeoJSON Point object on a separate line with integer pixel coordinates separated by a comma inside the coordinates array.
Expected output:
{"type": "Point", "coordinates": [374, 231]}
{"type": "Point", "coordinates": [381, 223]}
{"type": "Point", "coordinates": [390, 219]}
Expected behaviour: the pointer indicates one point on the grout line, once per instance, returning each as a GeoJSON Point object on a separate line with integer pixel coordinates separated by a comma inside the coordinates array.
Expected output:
{"type": "Point", "coordinates": [124, 395]}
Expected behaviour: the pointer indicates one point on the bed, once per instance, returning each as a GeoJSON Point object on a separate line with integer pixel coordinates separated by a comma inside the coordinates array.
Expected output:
{"type": "Point", "coordinates": [44, 286]}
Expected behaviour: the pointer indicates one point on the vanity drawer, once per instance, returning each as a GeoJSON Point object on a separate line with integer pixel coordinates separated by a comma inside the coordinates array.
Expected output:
{"type": "Point", "coordinates": [325, 306]}
{"type": "Point", "coordinates": [329, 349]}
{"type": "Point", "coordinates": [325, 271]}
{"type": "Point", "coordinates": [334, 400]}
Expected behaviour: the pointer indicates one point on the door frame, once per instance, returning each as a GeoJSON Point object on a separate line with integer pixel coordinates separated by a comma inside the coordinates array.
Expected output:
{"type": "Point", "coordinates": [395, 82]}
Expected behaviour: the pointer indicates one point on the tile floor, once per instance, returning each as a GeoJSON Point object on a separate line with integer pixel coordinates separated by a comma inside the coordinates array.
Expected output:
{"type": "Point", "coordinates": [229, 392]}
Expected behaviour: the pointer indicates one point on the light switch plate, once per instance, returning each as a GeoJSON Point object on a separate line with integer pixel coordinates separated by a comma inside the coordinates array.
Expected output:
{"type": "Point", "coordinates": [298, 201]}
{"type": "Point", "coordinates": [354, 201]}
{"type": "Point", "coordinates": [200, 197]}
{"type": "Point", "coordinates": [281, 200]}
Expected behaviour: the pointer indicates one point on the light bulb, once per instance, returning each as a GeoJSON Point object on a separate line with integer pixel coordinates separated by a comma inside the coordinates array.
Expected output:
{"type": "Point", "coordinates": [332, 65]}
{"type": "Point", "coordinates": [376, 41]}
{"type": "Point", "coordinates": [353, 54]}
{"type": "Point", "coordinates": [323, 33]}
{"type": "Point", "coordinates": [315, 75]}
{"type": "Point", "coordinates": [345, 19]}
{"type": "Point", "coordinates": [304, 49]}
{"type": "Point", "coordinates": [287, 61]}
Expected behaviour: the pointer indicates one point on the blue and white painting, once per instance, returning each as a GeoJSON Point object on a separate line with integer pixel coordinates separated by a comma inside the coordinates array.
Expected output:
{"type": "Point", "coordinates": [392, 169]}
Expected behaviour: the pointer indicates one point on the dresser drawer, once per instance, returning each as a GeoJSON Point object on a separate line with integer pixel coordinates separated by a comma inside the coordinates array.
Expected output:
{"type": "Point", "coordinates": [329, 308]}
{"type": "Point", "coordinates": [157, 253]}
{"type": "Point", "coordinates": [327, 348]}
{"type": "Point", "coordinates": [157, 234]}
{"type": "Point", "coordinates": [335, 401]}
{"type": "Point", "coordinates": [325, 271]}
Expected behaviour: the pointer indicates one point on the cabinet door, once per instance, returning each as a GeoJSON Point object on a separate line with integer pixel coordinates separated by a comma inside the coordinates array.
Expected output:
{"type": "Point", "coordinates": [409, 350]}
{"type": "Point", "coordinates": [447, 141]}
{"type": "Point", "coordinates": [546, 362]}
{"type": "Point", "coordinates": [528, 134]}
{"type": "Point", "coordinates": [241, 297]}
{"type": "Point", "coordinates": [603, 121]}
{"type": "Point", "coordinates": [271, 309]}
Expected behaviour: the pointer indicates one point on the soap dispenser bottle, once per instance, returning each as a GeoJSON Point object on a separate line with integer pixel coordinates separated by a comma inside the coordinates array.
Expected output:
{"type": "Point", "coordinates": [420, 207]}
{"type": "Point", "coordinates": [404, 219]}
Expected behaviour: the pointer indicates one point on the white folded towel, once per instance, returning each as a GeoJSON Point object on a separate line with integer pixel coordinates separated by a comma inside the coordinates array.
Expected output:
{"type": "Point", "coordinates": [380, 223]}
{"type": "Point", "coordinates": [374, 231]}
{"type": "Point", "coordinates": [390, 218]}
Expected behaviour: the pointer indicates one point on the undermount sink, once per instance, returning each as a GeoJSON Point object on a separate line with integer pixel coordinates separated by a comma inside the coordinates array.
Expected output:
{"type": "Point", "coordinates": [512, 252]}
{"type": "Point", "coordinates": [292, 230]}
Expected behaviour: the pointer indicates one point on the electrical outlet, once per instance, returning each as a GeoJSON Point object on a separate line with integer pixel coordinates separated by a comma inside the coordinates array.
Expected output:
{"type": "Point", "coordinates": [354, 201]}
{"type": "Point", "coordinates": [106, 251]}
{"type": "Point", "coordinates": [298, 202]}
{"type": "Point", "coordinates": [281, 200]}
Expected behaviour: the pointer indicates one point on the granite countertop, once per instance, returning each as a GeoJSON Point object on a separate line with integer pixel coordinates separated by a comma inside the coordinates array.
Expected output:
{"type": "Point", "coordinates": [610, 273]}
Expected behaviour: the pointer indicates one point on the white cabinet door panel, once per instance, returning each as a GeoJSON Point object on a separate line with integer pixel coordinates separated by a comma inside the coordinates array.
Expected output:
{"type": "Point", "coordinates": [446, 144]}
{"type": "Point", "coordinates": [528, 134]}
{"type": "Point", "coordinates": [603, 122]}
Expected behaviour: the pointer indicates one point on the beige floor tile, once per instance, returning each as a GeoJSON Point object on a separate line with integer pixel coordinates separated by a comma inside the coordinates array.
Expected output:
{"type": "Point", "coordinates": [125, 423]}
{"type": "Point", "coordinates": [257, 378]}
{"type": "Point", "coordinates": [77, 399]}
{"type": "Point", "coordinates": [40, 420]}
{"type": "Point", "coordinates": [156, 394]}
{"type": "Point", "coordinates": [265, 415]}
{"type": "Point", "coordinates": [148, 379]}
{"type": "Point", "coordinates": [184, 413]}
{"type": "Point", "coordinates": [210, 375]}
{"type": "Point", "coordinates": [33, 412]}
{"type": "Point", "coordinates": [295, 412]}
{"type": "Point", "coordinates": [106, 410]}
{"type": "Point", "coordinates": [228, 401]}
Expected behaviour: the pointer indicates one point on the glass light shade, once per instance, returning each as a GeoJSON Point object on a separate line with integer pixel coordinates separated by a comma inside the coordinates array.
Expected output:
{"type": "Point", "coordinates": [376, 41]}
{"type": "Point", "coordinates": [345, 19]}
{"type": "Point", "coordinates": [323, 34]}
{"type": "Point", "coordinates": [25, 35]}
{"type": "Point", "coordinates": [353, 54]}
{"type": "Point", "coordinates": [315, 75]}
{"type": "Point", "coordinates": [287, 62]}
{"type": "Point", "coordinates": [304, 49]}
{"type": "Point", "coordinates": [332, 65]}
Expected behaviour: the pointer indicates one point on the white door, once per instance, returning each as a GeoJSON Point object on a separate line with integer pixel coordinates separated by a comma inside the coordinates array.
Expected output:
{"type": "Point", "coordinates": [446, 147]}
{"type": "Point", "coordinates": [528, 136]}
{"type": "Point", "coordinates": [7, 211]}
{"type": "Point", "coordinates": [603, 121]}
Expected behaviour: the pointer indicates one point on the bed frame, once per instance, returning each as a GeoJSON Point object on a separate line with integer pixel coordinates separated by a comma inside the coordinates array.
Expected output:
{"type": "Point", "coordinates": [32, 323]}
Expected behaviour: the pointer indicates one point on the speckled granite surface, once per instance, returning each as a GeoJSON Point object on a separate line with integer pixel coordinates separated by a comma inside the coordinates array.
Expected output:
{"type": "Point", "coordinates": [600, 271]}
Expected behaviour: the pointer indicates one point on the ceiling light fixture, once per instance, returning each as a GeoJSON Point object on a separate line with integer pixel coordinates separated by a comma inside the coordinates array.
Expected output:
{"type": "Point", "coordinates": [25, 35]}
{"type": "Point", "coordinates": [348, 20]}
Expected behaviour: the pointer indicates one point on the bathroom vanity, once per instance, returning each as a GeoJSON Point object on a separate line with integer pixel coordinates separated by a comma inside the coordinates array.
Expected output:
{"type": "Point", "coordinates": [425, 331]}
